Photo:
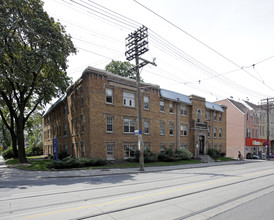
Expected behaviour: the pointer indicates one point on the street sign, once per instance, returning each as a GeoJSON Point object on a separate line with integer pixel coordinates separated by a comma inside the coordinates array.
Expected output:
{"type": "Point", "coordinates": [136, 132]}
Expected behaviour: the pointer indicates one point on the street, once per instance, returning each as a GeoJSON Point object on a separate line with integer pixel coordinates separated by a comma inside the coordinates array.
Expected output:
{"type": "Point", "coordinates": [231, 191]}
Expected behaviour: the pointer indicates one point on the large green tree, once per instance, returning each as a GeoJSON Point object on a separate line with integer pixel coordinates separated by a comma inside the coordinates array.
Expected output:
{"type": "Point", "coordinates": [33, 61]}
{"type": "Point", "coordinates": [125, 68]}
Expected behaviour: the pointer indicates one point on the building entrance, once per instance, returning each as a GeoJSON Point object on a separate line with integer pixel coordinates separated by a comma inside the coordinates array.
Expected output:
{"type": "Point", "coordinates": [201, 144]}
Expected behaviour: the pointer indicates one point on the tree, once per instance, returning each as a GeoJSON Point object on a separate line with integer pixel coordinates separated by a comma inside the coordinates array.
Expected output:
{"type": "Point", "coordinates": [125, 69]}
{"type": "Point", "coordinates": [33, 56]}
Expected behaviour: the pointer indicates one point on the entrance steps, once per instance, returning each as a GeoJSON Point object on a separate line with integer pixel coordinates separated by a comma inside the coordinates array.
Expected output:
{"type": "Point", "coordinates": [205, 158]}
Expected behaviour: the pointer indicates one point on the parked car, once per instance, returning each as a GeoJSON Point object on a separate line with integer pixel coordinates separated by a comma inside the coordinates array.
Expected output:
{"type": "Point", "coordinates": [254, 156]}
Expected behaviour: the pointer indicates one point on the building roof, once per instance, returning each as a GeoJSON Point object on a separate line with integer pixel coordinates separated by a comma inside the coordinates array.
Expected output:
{"type": "Point", "coordinates": [62, 98]}
{"type": "Point", "coordinates": [214, 106]}
{"type": "Point", "coordinates": [239, 105]}
{"type": "Point", "coordinates": [174, 96]}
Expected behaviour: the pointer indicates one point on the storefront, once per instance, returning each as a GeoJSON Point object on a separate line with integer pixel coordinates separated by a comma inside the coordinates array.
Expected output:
{"type": "Point", "coordinates": [255, 146]}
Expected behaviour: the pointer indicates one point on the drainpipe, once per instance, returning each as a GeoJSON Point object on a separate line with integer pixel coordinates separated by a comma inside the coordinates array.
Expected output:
{"type": "Point", "coordinates": [177, 124]}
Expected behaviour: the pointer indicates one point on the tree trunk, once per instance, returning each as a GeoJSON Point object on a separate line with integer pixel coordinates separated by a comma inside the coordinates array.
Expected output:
{"type": "Point", "coordinates": [21, 140]}
{"type": "Point", "coordinates": [14, 145]}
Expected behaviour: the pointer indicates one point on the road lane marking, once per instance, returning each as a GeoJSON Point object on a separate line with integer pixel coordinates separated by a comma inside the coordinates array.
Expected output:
{"type": "Point", "coordinates": [149, 195]}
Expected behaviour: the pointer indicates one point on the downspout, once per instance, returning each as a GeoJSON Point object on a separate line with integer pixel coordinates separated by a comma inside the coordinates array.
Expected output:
{"type": "Point", "coordinates": [177, 124]}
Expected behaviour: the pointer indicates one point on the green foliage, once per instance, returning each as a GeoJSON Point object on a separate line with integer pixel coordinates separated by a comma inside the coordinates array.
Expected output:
{"type": "Point", "coordinates": [8, 153]}
{"type": "Point", "coordinates": [183, 154]}
{"type": "Point", "coordinates": [222, 154]}
{"type": "Point", "coordinates": [171, 155]}
{"type": "Point", "coordinates": [62, 155]}
{"type": "Point", "coordinates": [34, 151]}
{"type": "Point", "coordinates": [33, 56]}
{"type": "Point", "coordinates": [70, 162]}
{"type": "Point", "coordinates": [121, 68]}
{"type": "Point", "coordinates": [213, 153]}
{"type": "Point", "coordinates": [149, 156]}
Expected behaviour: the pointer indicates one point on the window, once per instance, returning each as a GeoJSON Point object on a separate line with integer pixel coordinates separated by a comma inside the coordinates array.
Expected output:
{"type": "Point", "coordinates": [146, 146]}
{"type": "Point", "coordinates": [199, 113]}
{"type": "Point", "coordinates": [183, 130]}
{"type": "Point", "coordinates": [183, 110]}
{"type": "Point", "coordinates": [247, 116]}
{"type": "Point", "coordinates": [171, 109]}
{"type": "Point", "coordinates": [248, 132]}
{"type": "Point", "coordinates": [146, 127]}
{"type": "Point", "coordinates": [109, 124]}
{"type": "Point", "coordinates": [171, 128]}
{"type": "Point", "coordinates": [253, 132]}
{"type": "Point", "coordinates": [220, 148]}
{"type": "Point", "coordinates": [215, 116]}
{"type": "Point", "coordinates": [82, 124]}
{"type": "Point", "coordinates": [162, 128]}
{"type": "Point", "coordinates": [129, 151]}
{"type": "Point", "coordinates": [162, 106]}
{"type": "Point", "coordinates": [65, 129]}
{"type": "Point", "coordinates": [220, 116]}
{"type": "Point", "coordinates": [207, 115]}
{"type": "Point", "coordinates": [129, 99]}
{"type": "Point", "coordinates": [215, 132]}
{"type": "Point", "coordinates": [220, 133]}
{"type": "Point", "coordinates": [172, 146]}
{"type": "Point", "coordinates": [208, 132]}
{"type": "Point", "coordinates": [110, 151]}
{"type": "Point", "coordinates": [184, 146]}
{"type": "Point", "coordinates": [109, 96]}
{"type": "Point", "coordinates": [129, 125]}
{"type": "Point", "coordinates": [146, 102]}
{"type": "Point", "coordinates": [162, 148]}
{"type": "Point", "coordinates": [82, 150]}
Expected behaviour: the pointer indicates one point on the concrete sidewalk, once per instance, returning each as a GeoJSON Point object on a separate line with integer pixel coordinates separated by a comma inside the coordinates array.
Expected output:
{"type": "Point", "coordinates": [76, 173]}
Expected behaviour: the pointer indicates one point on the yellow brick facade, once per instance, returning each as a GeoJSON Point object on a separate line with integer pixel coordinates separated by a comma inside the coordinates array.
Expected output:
{"type": "Point", "coordinates": [97, 117]}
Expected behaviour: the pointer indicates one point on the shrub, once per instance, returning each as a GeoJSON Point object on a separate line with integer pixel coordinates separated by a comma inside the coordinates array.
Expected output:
{"type": "Point", "coordinates": [34, 151]}
{"type": "Point", "coordinates": [149, 156]}
{"type": "Point", "coordinates": [168, 156]}
{"type": "Point", "coordinates": [8, 153]}
{"type": "Point", "coordinates": [213, 153]}
{"type": "Point", "coordinates": [183, 154]}
{"type": "Point", "coordinates": [100, 162]}
{"type": "Point", "coordinates": [62, 155]}
{"type": "Point", "coordinates": [222, 154]}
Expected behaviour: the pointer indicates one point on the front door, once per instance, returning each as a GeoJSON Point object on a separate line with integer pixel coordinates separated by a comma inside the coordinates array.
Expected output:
{"type": "Point", "coordinates": [201, 144]}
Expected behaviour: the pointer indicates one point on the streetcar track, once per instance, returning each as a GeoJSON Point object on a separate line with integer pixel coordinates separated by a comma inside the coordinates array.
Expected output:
{"type": "Point", "coordinates": [181, 196]}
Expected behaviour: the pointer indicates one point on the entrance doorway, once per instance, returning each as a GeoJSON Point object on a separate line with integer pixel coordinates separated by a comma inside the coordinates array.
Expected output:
{"type": "Point", "coordinates": [201, 144]}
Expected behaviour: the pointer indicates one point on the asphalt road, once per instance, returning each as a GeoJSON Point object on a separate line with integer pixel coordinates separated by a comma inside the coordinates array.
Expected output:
{"type": "Point", "coordinates": [231, 191]}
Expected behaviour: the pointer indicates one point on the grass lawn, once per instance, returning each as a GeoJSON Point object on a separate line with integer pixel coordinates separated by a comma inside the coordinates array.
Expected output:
{"type": "Point", "coordinates": [40, 163]}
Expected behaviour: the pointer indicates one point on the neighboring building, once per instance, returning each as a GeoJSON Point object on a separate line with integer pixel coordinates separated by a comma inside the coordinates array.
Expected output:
{"type": "Point", "coordinates": [98, 116]}
{"type": "Point", "coordinates": [246, 128]}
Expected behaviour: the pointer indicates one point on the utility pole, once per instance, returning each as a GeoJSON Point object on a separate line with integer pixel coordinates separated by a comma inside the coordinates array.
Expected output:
{"type": "Point", "coordinates": [137, 44]}
{"type": "Point", "coordinates": [266, 103]}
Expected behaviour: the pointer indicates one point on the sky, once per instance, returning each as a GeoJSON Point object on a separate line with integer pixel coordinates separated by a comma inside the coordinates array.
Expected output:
{"type": "Point", "coordinates": [215, 49]}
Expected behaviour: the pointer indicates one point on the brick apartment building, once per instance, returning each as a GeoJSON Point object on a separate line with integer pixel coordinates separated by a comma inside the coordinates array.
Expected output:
{"type": "Point", "coordinates": [246, 128]}
{"type": "Point", "coordinates": [97, 116]}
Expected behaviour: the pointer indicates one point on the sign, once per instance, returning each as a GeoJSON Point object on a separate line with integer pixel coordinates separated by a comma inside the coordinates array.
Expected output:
{"type": "Point", "coordinates": [136, 132]}
{"type": "Point", "coordinates": [55, 149]}
{"type": "Point", "coordinates": [255, 142]}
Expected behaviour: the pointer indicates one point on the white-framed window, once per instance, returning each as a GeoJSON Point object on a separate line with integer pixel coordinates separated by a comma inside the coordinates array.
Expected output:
{"type": "Point", "coordinates": [146, 102]}
{"type": "Point", "coordinates": [248, 132]}
{"type": "Point", "coordinates": [220, 116]}
{"type": "Point", "coordinates": [162, 105]}
{"type": "Point", "coordinates": [129, 99]}
{"type": "Point", "coordinates": [220, 132]}
{"type": "Point", "coordinates": [109, 124]}
{"type": "Point", "coordinates": [129, 150]}
{"type": "Point", "coordinates": [162, 128]}
{"type": "Point", "coordinates": [183, 109]}
{"type": "Point", "coordinates": [110, 151]}
{"type": "Point", "coordinates": [171, 128]}
{"type": "Point", "coordinates": [162, 148]}
{"type": "Point", "coordinates": [183, 130]}
{"type": "Point", "coordinates": [215, 132]}
{"type": "Point", "coordinates": [207, 115]}
{"type": "Point", "coordinates": [146, 126]}
{"type": "Point", "coordinates": [215, 115]}
{"type": "Point", "coordinates": [184, 146]}
{"type": "Point", "coordinates": [171, 108]}
{"type": "Point", "coordinates": [109, 95]}
{"type": "Point", "coordinates": [129, 125]}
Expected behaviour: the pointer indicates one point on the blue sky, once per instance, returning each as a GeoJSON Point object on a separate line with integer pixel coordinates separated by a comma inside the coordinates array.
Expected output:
{"type": "Point", "coordinates": [207, 48]}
